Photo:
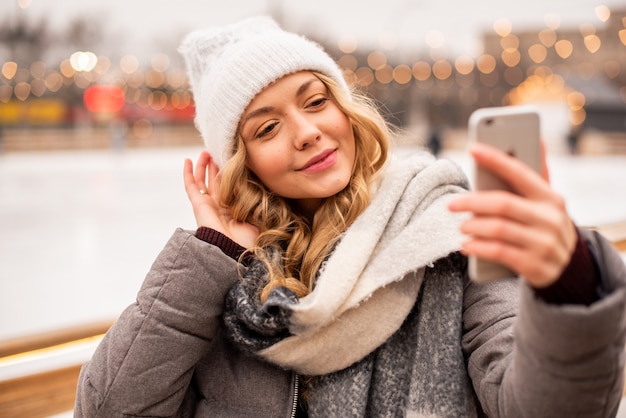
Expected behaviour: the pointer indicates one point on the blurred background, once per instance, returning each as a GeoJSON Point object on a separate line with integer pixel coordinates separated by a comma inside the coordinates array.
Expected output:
{"type": "Point", "coordinates": [96, 119]}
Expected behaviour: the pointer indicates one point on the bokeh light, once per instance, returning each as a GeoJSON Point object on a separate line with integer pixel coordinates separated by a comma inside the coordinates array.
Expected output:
{"type": "Point", "coordinates": [603, 12]}
{"type": "Point", "coordinates": [384, 74]}
{"type": "Point", "coordinates": [402, 74]}
{"type": "Point", "coordinates": [486, 63]}
{"type": "Point", "coordinates": [564, 48]}
{"type": "Point", "coordinates": [347, 44]}
{"type": "Point", "coordinates": [552, 20]}
{"type": "Point", "coordinates": [464, 64]}
{"type": "Point", "coordinates": [129, 64]}
{"type": "Point", "coordinates": [442, 69]}
{"type": "Point", "coordinates": [83, 61]}
{"type": "Point", "coordinates": [537, 53]}
{"type": "Point", "coordinates": [421, 70]}
{"type": "Point", "coordinates": [435, 39]}
{"type": "Point", "coordinates": [510, 57]}
{"type": "Point", "coordinates": [9, 69]}
{"type": "Point", "coordinates": [502, 27]}
{"type": "Point", "coordinates": [376, 60]}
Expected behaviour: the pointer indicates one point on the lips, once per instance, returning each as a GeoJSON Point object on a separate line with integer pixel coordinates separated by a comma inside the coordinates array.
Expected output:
{"type": "Point", "coordinates": [321, 161]}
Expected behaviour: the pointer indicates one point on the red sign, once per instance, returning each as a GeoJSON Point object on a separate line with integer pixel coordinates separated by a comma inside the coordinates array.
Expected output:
{"type": "Point", "coordinates": [104, 99]}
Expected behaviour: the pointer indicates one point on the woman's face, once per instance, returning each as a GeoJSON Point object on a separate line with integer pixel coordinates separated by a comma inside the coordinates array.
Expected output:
{"type": "Point", "coordinates": [298, 142]}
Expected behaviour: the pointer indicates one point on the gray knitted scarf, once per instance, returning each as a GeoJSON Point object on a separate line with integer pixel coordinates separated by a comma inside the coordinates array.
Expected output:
{"type": "Point", "coordinates": [380, 333]}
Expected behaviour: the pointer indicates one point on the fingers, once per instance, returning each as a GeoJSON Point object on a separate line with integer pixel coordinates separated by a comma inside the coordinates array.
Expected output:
{"type": "Point", "coordinates": [529, 231]}
{"type": "Point", "coordinates": [534, 238]}
{"type": "Point", "coordinates": [204, 206]}
{"type": "Point", "coordinates": [548, 229]}
{"type": "Point", "coordinates": [536, 254]}
{"type": "Point", "coordinates": [542, 214]}
{"type": "Point", "coordinates": [545, 172]}
{"type": "Point", "coordinates": [213, 171]}
{"type": "Point", "coordinates": [523, 180]}
{"type": "Point", "coordinates": [201, 169]}
{"type": "Point", "coordinates": [188, 177]}
{"type": "Point", "coordinates": [195, 179]}
{"type": "Point", "coordinates": [539, 265]}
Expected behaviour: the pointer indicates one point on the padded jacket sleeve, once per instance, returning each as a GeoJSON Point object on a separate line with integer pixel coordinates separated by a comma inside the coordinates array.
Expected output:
{"type": "Point", "coordinates": [528, 358]}
{"type": "Point", "coordinates": [145, 362]}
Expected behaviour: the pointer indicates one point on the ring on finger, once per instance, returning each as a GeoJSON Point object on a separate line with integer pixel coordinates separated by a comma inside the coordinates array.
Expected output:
{"type": "Point", "coordinates": [203, 191]}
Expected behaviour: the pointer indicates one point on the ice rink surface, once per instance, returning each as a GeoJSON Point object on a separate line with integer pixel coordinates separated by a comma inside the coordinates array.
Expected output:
{"type": "Point", "coordinates": [80, 229]}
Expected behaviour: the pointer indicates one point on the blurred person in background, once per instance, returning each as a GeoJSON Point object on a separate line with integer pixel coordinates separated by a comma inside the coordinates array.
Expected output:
{"type": "Point", "coordinates": [327, 276]}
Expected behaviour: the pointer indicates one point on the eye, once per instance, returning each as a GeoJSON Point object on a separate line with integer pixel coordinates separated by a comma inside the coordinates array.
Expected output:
{"type": "Point", "coordinates": [266, 130]}
{"type": "Point", "coordinates": [318, 102]}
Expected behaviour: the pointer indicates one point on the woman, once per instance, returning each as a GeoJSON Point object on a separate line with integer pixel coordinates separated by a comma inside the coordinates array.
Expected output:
{"type": "Point", "coordinates": [327, 277]}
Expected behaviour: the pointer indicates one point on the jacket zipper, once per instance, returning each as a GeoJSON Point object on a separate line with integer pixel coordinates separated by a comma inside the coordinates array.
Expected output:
{"type": "Point", "coordinates": [296, 394]}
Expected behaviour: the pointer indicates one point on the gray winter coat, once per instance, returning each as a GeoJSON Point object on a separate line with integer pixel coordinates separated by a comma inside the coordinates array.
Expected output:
{"type": "Point", "coordinates": [166, 357]}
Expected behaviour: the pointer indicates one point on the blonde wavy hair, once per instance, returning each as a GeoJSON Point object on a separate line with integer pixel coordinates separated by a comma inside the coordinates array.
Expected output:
{"type": "Point", "coordinates": [303, 244]}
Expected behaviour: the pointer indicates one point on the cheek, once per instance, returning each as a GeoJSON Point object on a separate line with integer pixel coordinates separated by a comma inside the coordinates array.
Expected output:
{"type": "Point", "coordinates": [346, 132]}
{"type": "Point", "coordinates": [344, 128]}
{"type": "Point", "coordinates": [266, 165]}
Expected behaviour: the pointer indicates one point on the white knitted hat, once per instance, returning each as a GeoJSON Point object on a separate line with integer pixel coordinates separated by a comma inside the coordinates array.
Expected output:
{"type": "Point", "coordinates": [229, 66]}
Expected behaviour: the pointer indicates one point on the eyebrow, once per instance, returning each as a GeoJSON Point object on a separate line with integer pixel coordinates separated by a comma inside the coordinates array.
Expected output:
{"type": "Point", "coordinates": [305, 86]}
{"type": "Point", "coordinates": [256, 112]}
{"type": "Point", "coordinates": [266, 109]}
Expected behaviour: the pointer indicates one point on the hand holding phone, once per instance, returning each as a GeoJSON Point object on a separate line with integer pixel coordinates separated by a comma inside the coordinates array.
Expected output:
{"type": "Point", "coordinates": [515, 131]}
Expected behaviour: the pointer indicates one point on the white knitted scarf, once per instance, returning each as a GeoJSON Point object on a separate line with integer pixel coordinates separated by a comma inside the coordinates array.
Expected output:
{"type": "Point", "coordinates": [369, 284]}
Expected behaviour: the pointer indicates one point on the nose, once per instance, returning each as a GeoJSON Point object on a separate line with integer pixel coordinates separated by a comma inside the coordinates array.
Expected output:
{"type": "Point", "coordinates": [306, 132]}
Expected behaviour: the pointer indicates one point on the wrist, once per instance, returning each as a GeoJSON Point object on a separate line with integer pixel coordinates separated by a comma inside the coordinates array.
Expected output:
{"type": "Point", "coordinates": [227, 245]}
{"type": "Point", "coordinates": [578, 282]}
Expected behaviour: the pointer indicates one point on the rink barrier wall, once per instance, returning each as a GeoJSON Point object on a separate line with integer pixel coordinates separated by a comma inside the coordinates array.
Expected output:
{"type": "Point", "coordinates": [38, 374]}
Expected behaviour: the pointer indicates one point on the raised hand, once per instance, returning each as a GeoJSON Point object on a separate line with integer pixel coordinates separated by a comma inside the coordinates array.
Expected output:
{"type": "Point", "coordinates": [202, 187]}
{"type": "Point", "coordinates": [530, 232]}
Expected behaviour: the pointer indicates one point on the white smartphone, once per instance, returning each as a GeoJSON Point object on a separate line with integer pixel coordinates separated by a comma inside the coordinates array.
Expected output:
{"type": "Point", "coordinates": [516, 131]}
